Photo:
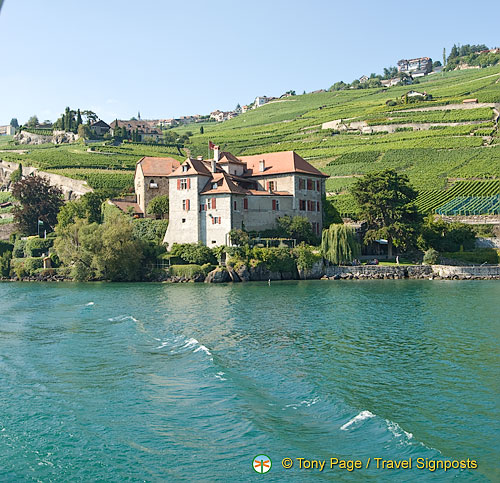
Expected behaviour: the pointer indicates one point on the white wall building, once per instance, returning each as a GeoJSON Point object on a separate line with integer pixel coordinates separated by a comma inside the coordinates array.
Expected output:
{"type": "Point", "coordinates": [207, 199]}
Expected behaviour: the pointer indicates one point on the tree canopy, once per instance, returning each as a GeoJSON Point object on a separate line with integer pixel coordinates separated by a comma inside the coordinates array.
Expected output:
{"type": "Point", "coordinates": [387, 204]}
{"type": "Point", "coordinates": [339, 244]}
{"type": "Point", "coordinates": [38, 200]}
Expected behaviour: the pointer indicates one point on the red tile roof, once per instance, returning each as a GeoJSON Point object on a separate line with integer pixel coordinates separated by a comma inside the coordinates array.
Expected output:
{"type": "Point", "coordinates": [195, 166]}
{"type": "Point", "coordinates": [158, 166]}
{"type": "Point", "coordinates": [279, 163]}
{"type": "Point", "coordinates": [224, 185]}
{"type": "Point", "coordinates": [125, 205]}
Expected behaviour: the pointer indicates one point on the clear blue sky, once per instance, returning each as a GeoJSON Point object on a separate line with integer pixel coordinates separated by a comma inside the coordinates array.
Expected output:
{"type": "Point", "coordinates": [169, 58]}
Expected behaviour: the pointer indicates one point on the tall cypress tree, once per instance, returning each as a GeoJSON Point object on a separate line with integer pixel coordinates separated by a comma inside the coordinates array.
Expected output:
{"type": "Point", "coordinates": [78, 119]}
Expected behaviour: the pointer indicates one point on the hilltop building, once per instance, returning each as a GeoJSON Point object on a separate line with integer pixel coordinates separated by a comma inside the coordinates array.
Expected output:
{"type": "Point", "coordinates": [419, 66]}
{"type": "Point", "coordinates": [100, 128]}
{"type": "Point", "coordinates": [146, 130]}
{"type": "Point", "coordinates": [209, 198]}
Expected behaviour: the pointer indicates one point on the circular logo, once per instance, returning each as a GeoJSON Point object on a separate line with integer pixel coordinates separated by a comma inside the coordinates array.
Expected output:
{"type": "Point", "coordinates": [261, 463]}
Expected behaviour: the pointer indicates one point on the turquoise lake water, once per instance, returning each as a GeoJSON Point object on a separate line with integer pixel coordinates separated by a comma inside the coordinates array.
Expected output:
{"type": "Point", "coordinates": [158, 382]}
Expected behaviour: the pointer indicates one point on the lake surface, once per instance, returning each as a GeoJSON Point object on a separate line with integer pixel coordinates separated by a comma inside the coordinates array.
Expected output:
{"type": "Point", "coordinates": [156, 382]}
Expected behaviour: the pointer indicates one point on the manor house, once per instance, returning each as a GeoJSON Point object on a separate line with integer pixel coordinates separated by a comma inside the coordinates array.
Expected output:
{"type": "Point", "coordinates": [209, 198]}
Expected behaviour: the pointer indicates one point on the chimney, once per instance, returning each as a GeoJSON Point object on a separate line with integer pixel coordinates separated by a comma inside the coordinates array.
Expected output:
{"type": "Point", "coordinates": [214, 166]}
{"type": "Point", "coordinates": [216, 153]}
{"type": "Point", "coordinates": [262, 165]}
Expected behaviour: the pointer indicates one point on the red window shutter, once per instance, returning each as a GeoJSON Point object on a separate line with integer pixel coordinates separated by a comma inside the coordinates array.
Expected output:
{"type": "Point", "coordinates": [178, 184]}
{"type": "Point", "coordinates": [317, 185]}
{"type": "Point", "coordinates": [235, 207]}
{"type": "Point", "coordinates": [318, 206]}
{"type": "Point", "coordinates": [187, 205]}
{"type": "Point", "coordinates": [274, 204]}
{"type": "Point", "coordinates": [213, 203]}
{"type": "Point", "coordinates": [189, 183]}
{"type": "Point", "coordinates": [245, 203]}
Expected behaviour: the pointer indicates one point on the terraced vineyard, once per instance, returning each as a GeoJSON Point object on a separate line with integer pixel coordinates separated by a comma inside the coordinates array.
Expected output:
{"type": "Point", "coordinates": [434, 200]}
{"type": "Point", "coordinates": [471, 205]}
{"type": "Point", "coordinates": [430, 148]}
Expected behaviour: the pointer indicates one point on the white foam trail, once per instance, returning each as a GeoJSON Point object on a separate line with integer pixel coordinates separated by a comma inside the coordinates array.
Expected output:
{"type": "Point", "coordinates": [219, 376]}
{"type": "Point", "coordinates": [163, 344]}
{"type": "Point", "coordinates": [397, 430]}
{"type": "Point", "coordinates": [204, 349]}
{"type": "Point", "coordinates": [360, 417]}
{"type": "Point", "coordinates": [190, 343]}
{"type": "Point", "coordinates": [310, 402]}
{"type": "Point", "coordinates": [89, 304]}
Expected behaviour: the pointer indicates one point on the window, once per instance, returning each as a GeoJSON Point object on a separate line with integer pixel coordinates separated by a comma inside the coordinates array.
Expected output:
{"type": "Point", "coordinates": [185, 205]}
{"type": "Point", "coordinates": [184, 220]}
{"type": "Point", "coordinates": [310, 205]}
{"type": "Point", "coordinates": [214, 186]}
{"type": "Point", "coordinates": [310, 184]}
{"type": "Point", "coordinates": [271, 186]}
{"type": "Point", "coordinates": [318, 185]}
{"type": "Point", "coordinates": [276, 205]}
{"type": "Point", "coordinates": [235, 206]}
{"type": "Point", "coordinates": [216, 220]}
{"type": "Point", "coordinates": [318, 206]}
{"type": "Point", "coordinates": [211, 204]}
{"type": "Point", "coordinates": [203, 207]}
{"type": "Point", "coordinates": [185, 167]}
{"type": "Point", "coordinates": [152, 184]}
{"type": "Point", "coordinates": [302, 205]}
{"type": "Point", "coordinates": [245, 203]}
{"type": "Point", "coordinates": [184, 183]}
{"type": "Point", "coordinates": [302, 184]}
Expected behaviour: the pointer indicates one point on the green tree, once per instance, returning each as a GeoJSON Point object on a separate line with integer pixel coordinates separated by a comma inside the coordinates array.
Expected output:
{"type": "Point", "coordinates": [239, 237]}
{"type": "Point", "coordinates": [38, 200]}
{"type": "Point", "coordinates": [78, 119]}
{"type": "Point", "coordinates": [339, 244]}
{"type": "Point", "coordinates": [387, 204]}
{"type": "Point", "coordinates": [17, 174]}
{"type": "Point", "coordinates": [297, 227]}
{"type": "Point", "coordinates": [84, 131]}
{"type": "Point", "coordinates": [101, 252]}
{"type": "Point", "coordinates": [446, 237]}
{"type": "Point", "coordinates": [32, 121]}
{"type": "Point", "coordinates": [330, 213]}
{"type": "Point", "coordinates": [202, 130]}
{"type": "Point", "coordinates": [158, 206]}
{"type": "Point", "coordinates": [14, 123]}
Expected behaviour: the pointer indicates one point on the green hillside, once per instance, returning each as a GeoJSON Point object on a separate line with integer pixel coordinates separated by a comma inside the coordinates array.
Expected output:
{"type": "Point", "coordinates": [462, 143]}
{"type": "Point", "coordinates": [437, 142]}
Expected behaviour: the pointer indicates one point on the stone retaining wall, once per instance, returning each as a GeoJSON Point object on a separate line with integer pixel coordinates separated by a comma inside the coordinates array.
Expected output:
{"type": "Point", "coordinates": [72, 188]}
{"type": "Point", "coordinates": [479, 271]}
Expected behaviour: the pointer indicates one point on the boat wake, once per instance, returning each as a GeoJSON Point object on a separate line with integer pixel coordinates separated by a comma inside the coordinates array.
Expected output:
{"type": "Point", "coordinates": [360, 417]}
{"type": "Point", "coordinates": [179, 345]}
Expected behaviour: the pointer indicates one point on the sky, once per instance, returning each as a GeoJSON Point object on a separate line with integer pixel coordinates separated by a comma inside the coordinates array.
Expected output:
{"type": "Point", "coordinates": [167, 59]}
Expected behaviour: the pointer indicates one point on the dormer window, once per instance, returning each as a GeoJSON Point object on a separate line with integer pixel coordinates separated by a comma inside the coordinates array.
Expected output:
{"type": "Point", "coordinates": [185, 167]}
{"type": "Point", "coordinates": [214, 186]}
{"type": "Point", "coordinates": [152, 184]}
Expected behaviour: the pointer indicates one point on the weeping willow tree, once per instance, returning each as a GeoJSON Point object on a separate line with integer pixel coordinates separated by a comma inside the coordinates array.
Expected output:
{"type": "Point", "coordinates": [339, 244]}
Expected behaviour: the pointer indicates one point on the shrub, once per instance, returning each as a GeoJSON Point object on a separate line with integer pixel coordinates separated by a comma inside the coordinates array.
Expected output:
{"type": "Point", "coordinates": [5, 247]}
{"type": "Point", "coordinates": [306, 258]}
{"type": "Point", "coordinates": [150, 230]}
{"type": "Point", "coordinates": [430, 257]}
{"type": "Point", "coordinates": [35, 246]}
{"type": "Point", "coordinates": [275, 259]}
{"type": "Point", "coordinates": [188, 271]}
{"type": "Point", "coordinates": [480, 255]}
{"type": "Point", "coordinates": [194, 253]}
{"type": "Point", "coordinates": [5, 259]}
{"type": "Point", "coordinates": [32, 264]}
{"type": "Point", "coordinates": [19, 248]}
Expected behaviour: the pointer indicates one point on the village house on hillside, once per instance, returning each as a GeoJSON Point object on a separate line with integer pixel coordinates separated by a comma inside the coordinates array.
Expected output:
{"type": "Point", "coordinates": [209, 198]}
{"type": "Point", "coordinates": [415, 67]}
{"type": "Point", "coordinates": [100, 128]}
{"type": "Point", "coordinates": [146, 130]}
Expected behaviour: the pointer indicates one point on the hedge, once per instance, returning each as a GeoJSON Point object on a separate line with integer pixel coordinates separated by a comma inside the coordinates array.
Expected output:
{"type": "Point", "coordinates": [480, 255]}
{"type": "Point", "coordinates": [35, 246]}
{"type": "Point", "coordinates": [190, 271]}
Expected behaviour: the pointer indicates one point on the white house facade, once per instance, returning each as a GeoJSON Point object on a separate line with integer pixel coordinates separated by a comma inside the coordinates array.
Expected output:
{"type": "Point", "coordinates": [208, 199]}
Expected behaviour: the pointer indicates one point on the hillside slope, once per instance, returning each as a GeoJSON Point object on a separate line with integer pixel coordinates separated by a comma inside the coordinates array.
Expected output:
{"type": "Point", "coordinates": [435, 142]}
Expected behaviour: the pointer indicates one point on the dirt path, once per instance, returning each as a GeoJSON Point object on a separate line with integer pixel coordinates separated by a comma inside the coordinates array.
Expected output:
{"type": "Point", "coordinates": [450, 107]}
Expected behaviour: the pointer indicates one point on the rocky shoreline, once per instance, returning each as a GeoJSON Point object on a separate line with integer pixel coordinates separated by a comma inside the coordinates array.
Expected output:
{"type": "Point", "coordinates": [319, 271]}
